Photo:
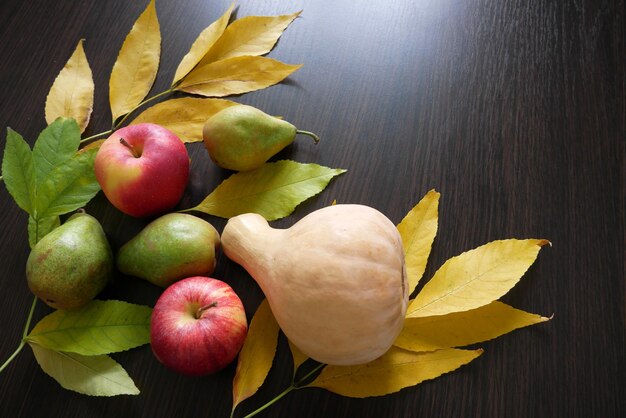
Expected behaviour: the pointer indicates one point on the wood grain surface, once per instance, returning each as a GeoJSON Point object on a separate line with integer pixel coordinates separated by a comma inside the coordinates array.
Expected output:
{"type": "Point", "coordinates": [513, 110]}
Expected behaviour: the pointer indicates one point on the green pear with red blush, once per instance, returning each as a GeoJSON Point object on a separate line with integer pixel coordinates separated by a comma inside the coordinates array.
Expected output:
{"type": "Point", "coordinates": [170, 248]}
{"type": "Point", "coordinates": [243, 138]}
{"type": "Point", "coordinates": [72, 264]}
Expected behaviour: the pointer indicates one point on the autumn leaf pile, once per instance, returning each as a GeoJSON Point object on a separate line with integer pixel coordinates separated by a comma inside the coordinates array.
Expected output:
{"type": "Point", "coordinates": [456, 308]}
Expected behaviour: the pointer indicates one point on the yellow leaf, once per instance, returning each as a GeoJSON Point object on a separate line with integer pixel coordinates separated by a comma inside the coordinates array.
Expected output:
{"type": "Point", "coordinates": [250, 35]}
{"type": "Point", "coordinates": [463, 328]}
{"type": "Point", "coordinates": [235, 76]}
{"type": "Point", "coordinates": [201, 45]}
{"type": "Point", "coordinates": [137, 64]}
{"type": "Point", "coordinates": [395, 370]}
{"type": "Point", "coordinates": [418, 230]}
{"type": "Point", "coordinates": [257, 354]}
{"type": "Point", "coordinates": [71, 94]}
{"type": "Point", "coordinates": [92, 145]}
{"type": "Point", "coordinates": [184, 116]}
{"type": "Point", "coordinates": [298, 356]}
{"type": "Point", "coordinates": [476, 278]}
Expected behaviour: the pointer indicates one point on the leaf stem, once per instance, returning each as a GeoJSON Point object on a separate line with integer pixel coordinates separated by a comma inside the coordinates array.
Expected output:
{"type": "Point", "coordinates": [148, 100]}
{"type": "Point", "coordinates": [272, 402]}
{"type": "Point", "coordinates": [292, 387]}
{"type": "Point", "coordinates": [89, 138]}
{"type": "Point", "coordinates": [24, 334]}
{"type": "Point", "coordinates": [118, 124]}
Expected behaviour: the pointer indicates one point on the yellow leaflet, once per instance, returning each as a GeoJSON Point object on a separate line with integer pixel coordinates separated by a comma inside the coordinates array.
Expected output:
{"type": "Point", "coordinates": [137, 64]}
{"type": "Point", "coordinates": [185, 116]}
{"type": "Point", "coordinates": [251, 35]}
{"type": "Point", "coordinates": [298, 357]}
{"type": "Point", "coordinates": [395, 370]}
{"type": "Point", "coordinates": [257, 354]}
{"type": "Point", "coordinates": [463, 328]}
{"type": "Point", "coordinates": [91, 145]}
{"type": "Point", "coordinates": [476, 278]}
{"type": "Point", "coordinates": [71, 94]}
{"type": "Point", "coordinates": [201, 45]}
{"type": "Point", "coordinates": [418, 230]}
{"type": "Point", "coordinates": [235, 76]}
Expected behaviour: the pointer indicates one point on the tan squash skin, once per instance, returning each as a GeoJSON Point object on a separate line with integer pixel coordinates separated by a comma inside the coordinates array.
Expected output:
{"type": "Point", "coordinates": [336, 280]}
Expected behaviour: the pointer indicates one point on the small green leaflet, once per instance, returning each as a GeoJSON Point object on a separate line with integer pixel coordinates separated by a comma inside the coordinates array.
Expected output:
{"type": "Point", "coordinates": [272, 190]}
{"type": "Point", "coordinates": [68, 186]}
{"type": "Point", "coordinates": [55, 145]}
{"type": "Point", "coordinates": [95, 375]}
{"type": "Point", "coordinates": [101, 327]}
{"type": "Point", "coordinates": [18, 170]}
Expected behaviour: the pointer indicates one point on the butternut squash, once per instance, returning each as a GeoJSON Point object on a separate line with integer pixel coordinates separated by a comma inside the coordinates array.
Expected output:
{"type": "Point", "coordinates": [336, 280]}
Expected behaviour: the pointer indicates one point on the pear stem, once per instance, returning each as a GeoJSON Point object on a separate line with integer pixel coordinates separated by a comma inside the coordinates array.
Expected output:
{"type": "Point", "coordinates": [130, 147]}
{"type": "Point", "coordinates": [201, 309]}
{"type": "Point", "coordinates": [309, 133]}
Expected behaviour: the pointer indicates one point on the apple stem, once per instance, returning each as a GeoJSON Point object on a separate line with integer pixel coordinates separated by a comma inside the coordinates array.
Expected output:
{"type": "Point", "coordinates": [130, 147]}
{"type": "Point", "coordinates": [201, 310]}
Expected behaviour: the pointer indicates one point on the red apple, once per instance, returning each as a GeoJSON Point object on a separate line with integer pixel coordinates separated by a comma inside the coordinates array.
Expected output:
{"type": "Point", "coordinates": [143, 169]}
{"type": "Point", "coordinates": [198, 326]}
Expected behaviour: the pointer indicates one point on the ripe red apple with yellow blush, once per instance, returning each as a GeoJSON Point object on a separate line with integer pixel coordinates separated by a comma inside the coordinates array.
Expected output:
{"type": "Point", "coordinates": [198, 326]}
{"type": "Point", "coordinates": [142, 169]}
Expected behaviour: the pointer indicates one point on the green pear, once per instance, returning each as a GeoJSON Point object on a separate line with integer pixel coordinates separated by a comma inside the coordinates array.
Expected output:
{"type": "Point", "coordinates": [170, 248]}
{"type": "Point", "coordinates": [72, 264]}
{"type": "Point", "coordinates": [243, 137]}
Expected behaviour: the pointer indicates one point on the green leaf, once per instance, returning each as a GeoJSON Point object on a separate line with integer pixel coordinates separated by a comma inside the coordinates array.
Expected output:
{"type": "Point", "coordinates": [55, 145]}
{"type": "Point", "coordinates": [101, 327]}
{"type": "Point", "coordinates": [68, 186]}
{"type": "Point", "coordinates": [39, 228]}
{"type": "Point", "coordinates": [395, 370]}
{"type": "Point", "coordinates": [18, 170]}
{"type": "Point", "coordinates": [93, 375]}
{"type": "Point", "coordinates": [272, 190]}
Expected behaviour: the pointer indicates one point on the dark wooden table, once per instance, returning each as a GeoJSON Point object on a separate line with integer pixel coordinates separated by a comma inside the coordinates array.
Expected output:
{"type": "Point", "coordinates": [513, 110]}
